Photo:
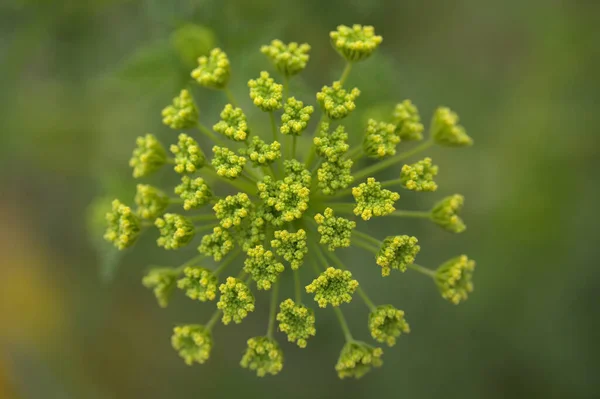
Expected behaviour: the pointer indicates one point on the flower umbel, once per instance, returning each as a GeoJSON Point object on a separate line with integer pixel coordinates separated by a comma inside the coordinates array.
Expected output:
{"type": "Point", "coordinates": [287, 196]}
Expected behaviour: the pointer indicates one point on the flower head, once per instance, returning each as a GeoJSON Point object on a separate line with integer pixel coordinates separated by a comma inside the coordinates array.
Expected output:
{"type": "Point", "coordinates": [335, 232]}
{"type": "Point", "coordinates": [336, 102]}
{"type": "Point", "coordinates": [397, 253]}
{"type": "Point", "coordinates": [265, 93]}
{"type": "Point", "coordinates": [148, 156]}
{"type": "Point", "coordinates": [380, 139]}
{"type": "Point", "coordinates": [227, 163]}
{"type": "Point", "coordinates": [331, 145]}
{"type": "Point", "coordinates": [263, 355]}
{"type": "Point", "coordinates": [175, 230]}
{"type": "Point", "coordinates": [289, 59]}
{"type": "Point", "coordinates": [218, 244]}
{"type": "Point", "coordinates": [198, 283]}
{"type": "Point", "coordinates": [194, 192]}
{"type": "Point", "coordinates": [357, 358]}
{"type": "Point", "coordinates": [290, 246]}
{"type": "Point", "coordinates": [446, 131]}
{"type": "Point", "coordinates": [408, 122]}
{"type": "Point", "coordinates": [232, 209]}
{"type": "Point", "coordinates": [264, 268]}
{"type": "Point", "coordinates": [355, 43]}
{"type": "Point", "coordinates": [372, 200]}
{"type": "Point", "coordinates": [445, 213]}
{"type": "Point", "coordinates": [419, 176]}
{"type": "Point", "coordinates": [233, 124]}
{"type": "Point", "coordinates": [387, 323]}
{"type": "Point", "coordinates": [182, 114]}
{"type": "Point", "coordinates": [236, 300]}
{"type": "Point", "coordinates": [333, 286]}
{"type": "Point", "coordinates": [213, 71]}
{"type": "Point", "coordinates": [188, 155]}
{"type": "Point", "coordinates": [123, 226]}
{"type": "Point", "coordinates": [455, 279]}
{"type": "Point", "coordinates": [261, 153]}
{"type": "Point", "coordinates": [193, 342]}
{"type": "Point", "coordinates": [252, 231]}
{"type": "Point", "coordinates": [162, 281]}
{"type": "Point", "coordinates": [287, 199]}
{"type": "Point", "coordinates": [151, 202]}
{"type": "Point", "coordinates": [296, 321]}
{"type": "Point", "coordinates": [295, 117]}
{"type": "Point", "coordinates": [335, 175]}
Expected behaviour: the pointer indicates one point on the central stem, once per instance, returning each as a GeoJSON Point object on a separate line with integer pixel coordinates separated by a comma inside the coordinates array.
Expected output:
{"type": "Point", "coordinates": [271, 328]}
{"type": "Point", "coordinates": [346, 72]}
{"type": "Point", "coordinates": [343, 324]}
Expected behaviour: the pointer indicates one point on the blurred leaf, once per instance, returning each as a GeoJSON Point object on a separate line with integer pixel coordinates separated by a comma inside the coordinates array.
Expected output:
{"type": "Point", "coordinates": [108, 256]}
{"type": "Point", "coordinates": [152, 63]}
{"type": "Point", "coordinates": [192, 41]}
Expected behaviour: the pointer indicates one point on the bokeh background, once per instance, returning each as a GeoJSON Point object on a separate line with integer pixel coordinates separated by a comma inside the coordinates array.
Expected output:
{"type": "Point", "coordinates": [81, 79]}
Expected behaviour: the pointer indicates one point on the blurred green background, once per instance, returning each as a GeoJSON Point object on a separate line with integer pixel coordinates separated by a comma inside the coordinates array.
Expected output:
{"type": "Point", "coordinates": [81, 79]}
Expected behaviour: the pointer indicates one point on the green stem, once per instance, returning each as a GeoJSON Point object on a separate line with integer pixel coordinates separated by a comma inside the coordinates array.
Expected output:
{"type": "Point", "coordinates": [386, 163]}
{"type": "Point", "coordinates": [202, 229]}
{"type": "Point", "coordinates": [286, 87]}
{"type": "Point", "coordinates": [230, 96]}
{"type": "Point", "coordinates": [272, 311]}
{"type": "Point", "coordinates": [313, 149]}
{"type": "Point", "coordinates": [202, 218]}
{"type": "Point", "coordinates": [297, 287]}
{"type": "Point", "coordinates": [176, 201]}
{"type": "Point", "coordinates": [367, 247]}
{"type": "Point", "coordinates": [230, 259]}
{"type": "Point", "coordinates": [343, 324]}
{"type": "Point", "coordinates": [353, 152]}
{"type": "Point", "coordinates": [294, 140]}
{"type": "Point", "coordinates": [391, 183]}
{"type": "Point", "coordinates": [366, 237]}
{"type": "Point", "coordinates": [273, 125]}
{"type": "Point", "coordinates": [346, 72]}
{"type": "Point", "coordinates": [412, 214]}
{"type": "Point", "coordinates": [190, 262]}
{"type": "Point", "coordinates": [240, 185]}
{"type": "Point", "coordinates": [209, 133]}
{"type": "Point", "coordinates": [424, 270]}
{"type": "Point", "coordinates": [213, 320]}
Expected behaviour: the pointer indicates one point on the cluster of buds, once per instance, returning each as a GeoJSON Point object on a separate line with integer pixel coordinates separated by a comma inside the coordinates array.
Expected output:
{"type": "Point", "coordinates": [288, 210]}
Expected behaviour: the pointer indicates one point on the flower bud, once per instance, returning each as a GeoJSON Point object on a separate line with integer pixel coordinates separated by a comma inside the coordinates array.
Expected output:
{"type": "Point", "coordinates": [263, 355]}
{"type": "Point", "coordinates": [446, 131]}
{"type": "Point", "coordinates": [151, 202]}
{"type": "Point", "coordinates": [372, 200]}
{"type": "Point", "coordinates": [336, 102]}
{"type": "Point", "coordinates": [193, 342]}
{"type": "Point", "coordinates": [261, 153]}
{"type": "Point", "coordinates": [175, 230]}
{"type": "Point", "coordinates": [182, 114]}
{"type": "Point", "coordinates": [419, 176]}
{"type": "Point", "coordinates": [193, 192]}
{"type": "Point", "coordinates": [233, 124]}
{"type": "Point", "coordinates": [397, 253]}
{"type": "Point", "coordinates": [291, 246]}
{"type": "Point", "coordinates": [188, 155]}
{"type": "Point", "coordinates": [380, 140]}
{"type": "Point", "coordinates": [236, 300]}
{"type": "Point", "coordinates": [162, 281]}
{"type": "Point", "coordinates": [148, 156]}
{"type": "Point", "coordinates": [333, 286]}
{"type": "Point", "coordinates": [335, 232]}
{"type": "Point", "coordinates": [213, 71]}
{"type": "Point", "coordinates": [387, 323]}
{"type": "Point", "coordinates": [289, 59]}
{"type": "Point", "coordinates": [355, 43]}
{"type": "Point", "coordinates": [265, 93]}
{"type": "Point", "coordinates": [331, 145]}
{"type": "Point", "coordinates": [123, 226]}
{"type": "Point", "coordinates": [408, 122]}
{"type": "Point", "coordinates": [454, 279]}
{"type": "Point", "coordinates": [296, 321]}
{"type": "Point", "coordinates": [357, 358]}
{"type": "Point", "coordinates": [263, 267]}
{"type": "Point", "coordinates": [295, 117]}
{"type": "Point", "coordinates": [232, 209]}
{"type": "Point", "coordinates": [227, 163]}
{"type": "Point", "coordinates": [445, 213]}
{"type": "Point", "coordinates": [198, 283]}
{"type": "Point", "coordinates": [218, 244]}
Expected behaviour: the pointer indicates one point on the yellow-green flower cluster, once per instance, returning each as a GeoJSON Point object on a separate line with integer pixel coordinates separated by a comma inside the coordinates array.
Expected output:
{"type": "Point", "coordinates": [198, 283]}
{"type": "Point", "coordinates": [380, 139]}
{"type": "Point", "coordinates": [336, 102]}
{"type": "Point", "coordinates": [233, 124]}
{"type": "Point", "coordinates": [387, 323]}
{"type": "Point", "coordinates": [213, 71]}
{"type": "Point", "coordinates": [357, 359]}
{"type": "Point", "coordinates": [261, 153]}
{"type": "Point", "coordinates": [419, 176]}
{"type": "Point", "coordinates": [372, 200]}
{"type": "Point", "coordinates": [408, 122]}
{"type": "Point", "coordinates": [217, 244]}
{"type": "Point", "coordinates": [286, 199]}
{"type": "Point", "coordinates": [175, 231]}
{"type": "Point", "coordinates": [274, 199]}
{"type": "Point", "coordinates": [151, 202]}
{"type": "Point", "coordinates": [148, 156]}
{"type": "Point", "coordinates": [227, 163]}
{"type": "Point", "coordinates": [445, 213]}
{"type": "Point", "coordinates": [289, 59]}
{"type": "Point", "coordinates": [265, 93]}
{"type": "Point", "coordinates": [233, 209]}
{"type": "Point", "coordinates": [295, 117]}
{"type": "Point", "coordinates": [263, 355]}
{"type": "Point", "coordinates": [236, 300]}
{"type": "Point", "coordinates": [188, 155]}
{"type": "Point", "coordinates": [193, 342]}
{"type": "Point", "coordinates": [123, 226]}
{"type": "Point", "coordinates": [355, 43]}
{"type": "Point", "coordinates": [290, 246]}
{"type": "Point", "coordinates": [296, 321]}
{"type": "Point", "coordinates": [162, 281]}
{"type": "Point", "coordinates": [335, 231]}
{"type": "Point", "coordinates": [182, 114]}
{"type": "Point", "coordinates": [194, 192]}
{"type": "Point", "coordinates": [446, 131]}
{"type": "Point", "coordinates": [264, 268]}
{"type": "Point", "coordinates": [454, 279]}
{"type": "Point", "coordinates": [397, 253]}
{"type": "Point", "coordinates": [333, 287]}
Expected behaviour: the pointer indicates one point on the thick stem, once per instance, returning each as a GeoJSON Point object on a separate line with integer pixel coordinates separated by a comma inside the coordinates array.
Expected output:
{"type": "Point", "coordinates": [240, 185]}
{"type": "Point", "coordinates": [190, 262]}
{"type": "Point", "coordinates": [202, 218]}
{"type": "Point", "coordinates": [313, 149]}
{"type": "Point", "coordinates": [343, 324]}
{"type": "Point", "coordinates": [421, 269]}
{"type": "Point", "coordinates": [273, 309]}
{"type": "Point", "coordinates": [346, 72]}
{"type": "Point", "coordinates": [209, 133]}
{"type": "Point", "coordinates": [273, 125]}
{"type": "Point", "coordinates": [230, 96]}
{"type": "Point", "coordinates": [294, 140]}
{"type": "Point", "coordinates": [297, 287]}
{"type": "Point", "coordinates": [202, 229]}
{"type": "Point", "coordinates": [386, 163]}
{"type": "Point", "coordinates": [286, 87]}
{"type": "Point", "coordinates": [391, 183]}
{"type": "Point", "coordinates": [412, 214]}
{"type": "Point", "coordinates": [226, 263]}
{"type": "Point", "coordinates": [213, 320]}
{"type": "Point", "coordinates": [366, 246]}
{"type": "Point", "coordinates": [367, 237]}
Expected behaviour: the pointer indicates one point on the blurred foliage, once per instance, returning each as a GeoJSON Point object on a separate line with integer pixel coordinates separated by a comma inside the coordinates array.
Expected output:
{"type": "Point", "coordinates": [82, 79]}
